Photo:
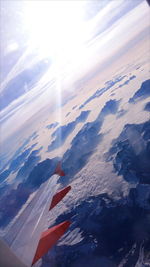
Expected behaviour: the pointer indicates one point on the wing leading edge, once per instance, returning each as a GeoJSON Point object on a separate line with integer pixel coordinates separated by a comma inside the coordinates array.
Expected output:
{"type": "Point", "coordinates": [49, 238]}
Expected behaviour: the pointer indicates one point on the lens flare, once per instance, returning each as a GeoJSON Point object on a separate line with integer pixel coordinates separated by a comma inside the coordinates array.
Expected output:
{"type": "Point", "coordinates": [56, 28]}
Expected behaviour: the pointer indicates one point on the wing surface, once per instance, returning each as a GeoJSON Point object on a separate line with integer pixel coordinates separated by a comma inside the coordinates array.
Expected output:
{"type": "Point", "coordinates": [28, 236]}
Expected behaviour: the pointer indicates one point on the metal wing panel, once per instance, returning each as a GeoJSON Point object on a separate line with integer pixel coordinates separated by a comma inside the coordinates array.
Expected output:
{"type": "Point", "coordinates": [24, 235]}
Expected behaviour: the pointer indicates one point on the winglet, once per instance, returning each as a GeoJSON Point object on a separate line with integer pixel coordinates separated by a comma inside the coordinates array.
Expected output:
{"type": "Point", "coordinates": [59, 170]}
{"type": "Point", "coordinates": [49, 238]}
{"type": "Point", "coordinates": [59, 196]}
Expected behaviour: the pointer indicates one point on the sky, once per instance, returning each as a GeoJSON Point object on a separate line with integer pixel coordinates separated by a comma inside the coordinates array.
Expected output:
{"type": "Point", "coordinates": [69, 38]}
{"type": "Point", "coordinates": [56, 21]}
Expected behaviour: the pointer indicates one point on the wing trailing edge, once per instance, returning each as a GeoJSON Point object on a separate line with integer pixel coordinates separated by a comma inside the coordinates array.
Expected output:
{"type": "Point", "coordinates": [49, 238]}
{"type": "Point", "coordinates": [59, 196]}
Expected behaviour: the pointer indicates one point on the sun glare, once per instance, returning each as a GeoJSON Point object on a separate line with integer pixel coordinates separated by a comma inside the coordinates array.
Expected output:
{"type": "Point", "coordinates": [56, 28]}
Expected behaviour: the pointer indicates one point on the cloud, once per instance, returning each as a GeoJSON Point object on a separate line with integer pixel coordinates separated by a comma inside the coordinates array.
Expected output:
{"type": "Point", "coordinates": [32, 178]}
{"type": "Point", "coordinates": [22, 83]}
{"type": "Point", "coordinates": [52, 125]}
{"type": "Point", "coordinates": [130, 27]}
{"type": "Point", "coordinates": [112, 12]}
{"type": "Point", "coordinates": [130, 153]}
{"type": "Point", "coordinates": [20, 154]}
{"type": "Point", "coordinates": [112, 229]}
{"type": "Point", "coordinates": [62, 133]}
{"type": "Point", "coordinates": [101, 91]}
{"type": "Point", "coordinates": [82, 148]}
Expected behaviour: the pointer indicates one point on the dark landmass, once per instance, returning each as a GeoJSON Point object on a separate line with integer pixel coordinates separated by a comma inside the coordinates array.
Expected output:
{"type": "Point", "coordinates": [142, 93]}
{"type": "Point", "coordinates": [4, 175]}
{"type": "Point", "coordinates": [19, 151]}
{"type": "Point", "coordinates": [28, 166]}
{"type": "Point", "coordinates": [109, 84]}
{"type": "Point", "coordinates": [121, 113]}
{"type": "Point", "coordinates": [61, 135]}
{"type": "Point", "coordinates": [22, 147]}
{"type": "Point", "coordinates": [130, 153]}
{"type": "Point", "coordinates": [3, 189]}
{"type": "Point", "coordinates": [34, 136]}
{"type": "Point", "coordinates": [83, 116]}
{"type": "Point", "coordinates": [52, 125]}
{"type": "Point", "coordinates": [82, 148]}
{"type": "Point", "coordinates": [74, 160]}
{"type": "Point", "coordinates": [110, 107]}
{"type": "Point", "coordinates": [41, 172]}
{"type": "Point", "coordinates": [113, 231]}
{"type": "Point", "coordinates": [101, 91]}
{"type": "Point", "coordinates": [127, 81]}
{"type": "Point", "coordinates": [16, 163]}
{"type": "Point", "coordinates": [23, 83]}
{"type": "Point", "coordinates": [147, 106]}
{"type": "Point", "coordinates": [74, 107]}
{"type": "Point", "coordinates": [15, 198]}
{"type": "Point", "coordinates": [64, 131]}
{"type": "Point", "coordinates": [68, 114]}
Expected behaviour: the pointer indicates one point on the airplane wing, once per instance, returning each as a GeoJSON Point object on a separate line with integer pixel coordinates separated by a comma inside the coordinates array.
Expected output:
{"type": "Point", "coordinates": [29, 238]}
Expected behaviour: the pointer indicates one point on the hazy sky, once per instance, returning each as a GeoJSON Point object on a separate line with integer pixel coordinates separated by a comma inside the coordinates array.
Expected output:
{"type": "Point", "coordinates": [21, 19]}
{"type": "Point", "coordinates": [74, 35]}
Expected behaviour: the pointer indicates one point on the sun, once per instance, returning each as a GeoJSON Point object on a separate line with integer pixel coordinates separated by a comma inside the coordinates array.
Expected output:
{"type": "Point", "coordinates": [56, 28]}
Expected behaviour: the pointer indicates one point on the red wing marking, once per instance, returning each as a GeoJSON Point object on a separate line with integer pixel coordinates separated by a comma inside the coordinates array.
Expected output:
{"type": "Point", "coordinates": [49, 238]}
{"type": "Point", "coordinates": [59, 196]}
{"type": "Point", "coordinates": [59, 170]}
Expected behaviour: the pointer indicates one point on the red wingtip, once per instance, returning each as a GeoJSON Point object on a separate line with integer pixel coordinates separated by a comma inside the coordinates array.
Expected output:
{"type": "Point", "coordinates": [59, 170]}
{"type": "Point", "coordinates": [49, 238]}
{"type": "Point", "coordinates": [59, 196]}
